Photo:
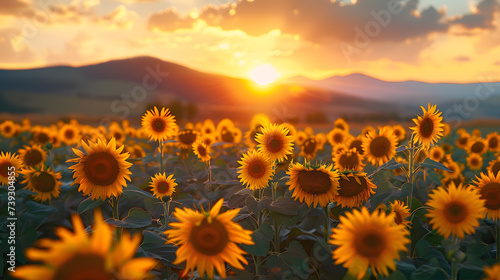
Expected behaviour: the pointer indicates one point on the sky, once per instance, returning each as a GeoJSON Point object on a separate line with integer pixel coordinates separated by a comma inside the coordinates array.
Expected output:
{"type": "Point", "coordinates": [393, 40]}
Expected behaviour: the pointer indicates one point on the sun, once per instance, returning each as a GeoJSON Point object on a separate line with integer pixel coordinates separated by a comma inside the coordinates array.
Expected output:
{"type": "Point", "coordinates": [264, 74]}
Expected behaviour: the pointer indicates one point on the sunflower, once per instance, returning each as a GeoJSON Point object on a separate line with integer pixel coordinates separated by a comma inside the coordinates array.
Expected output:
{"type": "Point", "coordinates": [476, 133]}
{"type": "Point", "coordinates": [69, 134]}
{"type": "Point", "coordinates": [45, 183]}
{"type": "Point", "coordinates": [475, 161]}
{"type": "Point", "coordinates": [224, 124]}
{"type": "Point", "coordinates": [367, 129]}
{"type": "Point", "coordinates": [488, 186]}
{"type": "Point", "coordinates": [207, 139]}
{"type": "Point", "coordinates": [354, 189]}
{"type": "Point", "coordinates": [255, 170]}
{"type": "Point", "coordinates": [455, 167]}
{"type": "Point", "coordinates": [208, 127]}
{"type": "Point", "coordinates": [300, 137]}
{"type": "Point", "coordinates": [274, 142]}
{"type": "Point", "coordinates": [232, 135]}
{"type": "Point", "coordinates": [339, 149]}
{"type": "Point", "coordinates": [309, 131]}
{"type": "Point", "coordinates": [368, 240]}
{"type": "Point", "coordinates": [399, 171]}
{"type": "Point", "coordinates": [309, 148]}
{"type": "Point", "coordinates": [158, 125]}
{"type": "Point", "coordinates": [187, 137]}
{"type": "Point", "coordinates": [7, 161]}
{"type": "Point", "coordinates": [436, 153]}
{"type": "Point", "coordinates": [250, 137]}
{"type": "Point", "coordinates": [446, 181]}
{"type": "Point", "coordinates": [455, 210]}
{"type": "Point", "coordinates": [202, 151]}
{"type": "Point", "coordinates": [259, 120]}
{"type": "Point", "coordinates": [356, 142]}
{"type": "Point", "coordinates": [462, 140]}
{"type": "Point", "coordinates": [136, 151]}
{"type": "Point", "coordinates": [381, 147]}
{"type": "Point", "coordinates": [32, 156]}
{"type": "Point", "coordinates": [494, 166]}
{"type": "Point", "coordinates": [337, 136]}
{"type": "Point", "coordinates": [348, 160]}
{"type": "Point", "coordinates": [493, 141]}
{"type": "Point", "coordinates": [117, 133]}
{"type": "Point", "coordinates": [340, 123]}
{"type": "Point", "coordinates": [9, 129]}
{"type": "Point", "coordinates": [493, 272]}
{"type": "Point", "coordinates": [401, 212]}
{"type": "Point", "coordinates": [400, 132]}
{"type": "Point", "coordinates": [79, 255]}
{"type": "Point", "coordinates": [208, 239]}
{"type": "Point", "coordinates": [314, 185]}
{"type": "Point", "coordinates": [103, 171]}
{"type": "Point", "coordinates": [477, 146]}
{"type": "Point", "coordinates": [320, 140]}
{"type": "Point", "coordinates": [162, 186]}
{"type": "Point", "coordinates": [291, 129]}
{"type": "Point", "coordinates": [41, 135]}
{"type": "Point", "coordinates": [446, 129]}
{"type": "Point", "coordinates": [429, 127]}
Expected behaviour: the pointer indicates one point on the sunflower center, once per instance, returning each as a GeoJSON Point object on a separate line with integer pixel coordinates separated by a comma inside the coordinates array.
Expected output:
{"type": "Point", "coordinates": [314, 181]}
{"type": "Point", "coordinates": [426, 127]}
{"type": "Point", "coordinates": [202, 151]}
{"type": "Point", "coordinates": [163, 187]}
{"type": "Point", "coordinates": [209, 238]}
{"type": "Point", "coordinates": [380, 146]}
{"type": "Point", "coordinates": [491, 193]}
{"type": "Point", "coordinates": [493, 143]}
{"type": "Point", "coordinates": [227, 136]}
{"type": "Point", "coordinates": [275, 144]}
{"type": "Point", "coordinates": [117, 136]}
{"type": "Point", "coordinates": [309, 147]}
{"type": "Point", "coordinates": [477, 147]}
{"type": "Point", "coordinates": [83, 267]}
{"type": "Point", "coordinates": [33, 157]}
{"type": "Point", "coordinates": [436, 155]}
{"type": "Point", "coordinates": [462, 140]}
{"type": "Point", "coordinates": [350, 188]}
{"type": "Point", "coordinates": [187, 137]}
{"type": "Point", "coordinates": [474, 161]}
{"type": "Point", "coordinates": [101, 168]}
{"type": "Point", "coordinates": [44, 182]}
{"type": "Point", "coordinates": [4, 169]}
{"type": "Point", "coordinates": [158, 125]}
{"type": "Point", "coordinates": [455, 212]}
{"type": "Point", "coordinates": [7, 129]}
{"type": "Point", "coordinates": [256, 169]}
{"type": "Point", "coordinates": [340, 126]}
{"type": "Point", "coordinates": [349, 161]}
{"type": "Point", "coordinates": [69, 134]}
{"type": "Point", "coordinates": [358, 144]}
{"type": "Point", "coordinates": [338, 138]}
{"type": "Point", "coordinates": [495, 168]}
{"type": "Point", "coordinates": [397, 218]}
{"type": "Point", "coordinates": [42, 137]}
{"type": "Point", "coordinates": [370, 244]}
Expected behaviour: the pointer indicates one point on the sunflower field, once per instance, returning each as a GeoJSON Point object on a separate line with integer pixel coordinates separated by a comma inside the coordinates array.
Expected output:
{"type": "Point", "coordinates": [212, 200]}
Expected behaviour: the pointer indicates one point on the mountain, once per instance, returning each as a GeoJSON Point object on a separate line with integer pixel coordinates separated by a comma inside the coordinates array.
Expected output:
{"type": "Point", "coordinates": [407, 92]}
{"type": "Point", "coordinates": [124, 88]}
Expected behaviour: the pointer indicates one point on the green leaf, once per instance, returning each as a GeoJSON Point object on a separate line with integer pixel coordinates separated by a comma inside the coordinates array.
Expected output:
{"type": "Point", "coordinates": [429, 163]}
{"type": "Point", "coordinates": [390, 165]}
{"type": "Point", "coordinates": [255, 206]}
{"type": "Point", "coordinates": [261, 238]}
{"type": "Point", "coordinates": [285, 206]}
{"type": "Point", "coordinates": [136, 218]}
{"type": "Point", "coordinates": [134, 192]}
{"type": "Point", "coordinates": [405, 190]}
{"type": "Point", "coordinates": [88, 204]}
{"type": "Point", "coordinates": [396, 275]}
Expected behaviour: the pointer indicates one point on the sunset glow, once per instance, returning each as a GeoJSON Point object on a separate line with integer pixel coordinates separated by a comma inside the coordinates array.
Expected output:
{"type": "Point", "coordinates": [264, 74]}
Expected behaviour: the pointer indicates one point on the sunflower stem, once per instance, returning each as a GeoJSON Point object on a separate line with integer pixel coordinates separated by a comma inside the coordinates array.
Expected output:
{"type": "Point", "coordinates": [498, 240]}
{"type": "Point", "coordinates": [411, 170]}
{"type": "Point", "coordinates": [454, 271]}
{"type": "Point", "coordinates": [326, 226]}
{"type": "Point", "coordinates": [161, 156]}
{"type": "Point", "coordinates": [114, 207]}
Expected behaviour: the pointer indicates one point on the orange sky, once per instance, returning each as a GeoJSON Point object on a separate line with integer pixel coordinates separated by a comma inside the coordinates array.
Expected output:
{"type": "Point", "coordinates": [448, 41]}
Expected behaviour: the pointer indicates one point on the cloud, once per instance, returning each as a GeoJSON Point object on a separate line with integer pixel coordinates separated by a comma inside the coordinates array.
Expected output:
{"type": "Point", "coordinates": [13, 7]}
{"type": "Point", "coordinates": [462, 58]}
{"type": "Point", "coordinates": [314, 20]}
{"type": "Point", "coordinates": [82, 47]}
{"type": "Point", "coordinates": [118, 18]}
{"type": "Point", "coordinates": [483, 16]}
{"type": "Point", "coordinates": [12, 47]}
